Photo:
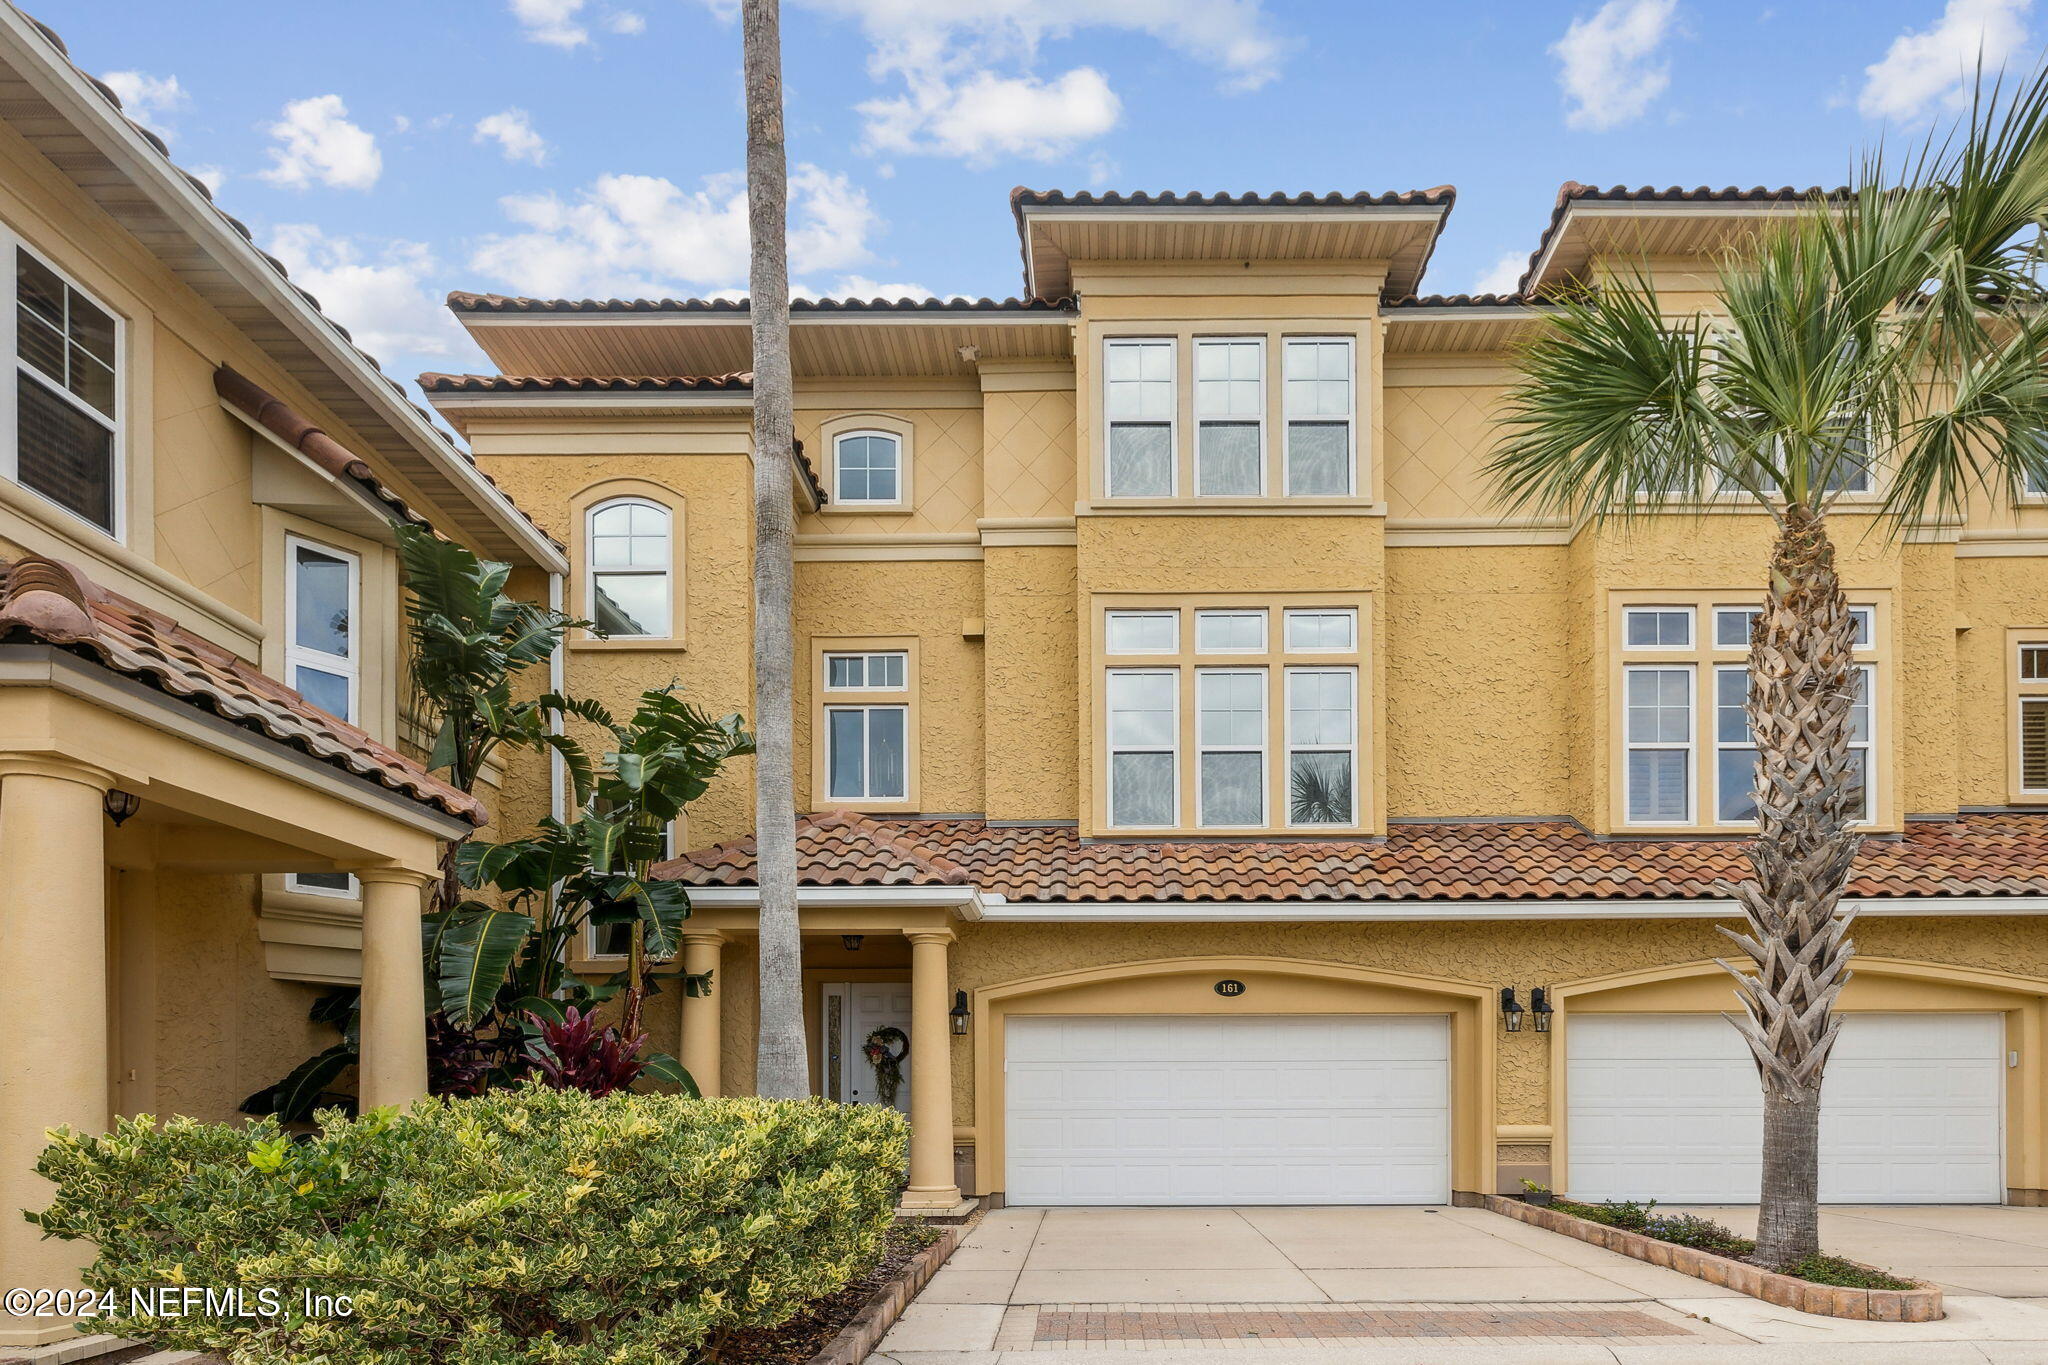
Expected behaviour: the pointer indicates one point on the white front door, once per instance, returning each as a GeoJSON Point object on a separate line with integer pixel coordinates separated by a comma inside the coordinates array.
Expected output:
{"type": "Point", "coordinates": [1254, 1109]}
{"type": "Point", "coordinates": [1668, 1107]}
{"type": "Point", "coordinates": [854, 1011]}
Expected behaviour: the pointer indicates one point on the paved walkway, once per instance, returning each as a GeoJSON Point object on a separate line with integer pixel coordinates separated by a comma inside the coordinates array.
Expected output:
{"type": "Point", "coordinates": [1354, 1286]}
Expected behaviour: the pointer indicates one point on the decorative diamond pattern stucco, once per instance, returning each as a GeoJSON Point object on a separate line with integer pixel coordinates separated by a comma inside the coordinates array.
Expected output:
{"type": "Point", "coordinates": [1438, 440]}
{"type": "Point", "coordinates": [1030, 442]}
{"type": "Point", "coordinates": [945, 478]}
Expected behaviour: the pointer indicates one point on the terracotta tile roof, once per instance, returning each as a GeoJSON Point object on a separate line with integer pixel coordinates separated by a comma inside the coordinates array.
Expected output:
{"type": "Point", "coordinates": [1463, 301]}
{"type": "Point", "coordinates": [463, 302]}
{"type": "Point", "coordinates": [563, 383]}
{"type": "Point", "coordinates": [50, 602]}
{"type": "Point", "coordinates": [1574, 192]}
{"type": "Point", "coordinates": [1976, 855]}
{"type": "Point", "coordinates": [1024, 197]}
{"type": "Point", "coordinates": [290, 426]}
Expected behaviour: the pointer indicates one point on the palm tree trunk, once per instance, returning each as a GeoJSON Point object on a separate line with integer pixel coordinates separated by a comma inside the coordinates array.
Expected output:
{"type": "Point", "coordinates": [1802, 683]}
{"type": "Point", "coordinates": [782, 1070]}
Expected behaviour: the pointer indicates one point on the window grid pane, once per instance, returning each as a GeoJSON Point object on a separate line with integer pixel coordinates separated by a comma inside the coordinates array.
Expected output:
{"type": "Point", "coordinates": [1334, 631]}
{"type": "Point", "coordinates": [869, 467]}
{"type": "Point", "coordinates": [628, 556]}
{"type": "Point", "coordinates": [880, 672]}
{"type": "Point", "coordinates": [1322, 737]}
{"type": "Point", "coordinates": [1230, 632]}
{"type": "Point", "coordinates": [1658, 730]}
{"type": "Point", "coordinates": [1141, 632]}
{"type": "Point", "coordinates": [1657, 627]}
{"type": "Point", "coordinates": [1143, 707]}
{"type": "Point", "coordinates": [1318, 385]}
{"type": "Point", "coordinates": [1230, 728]}
{"type": "Point", "coordinates": [2034, 663]}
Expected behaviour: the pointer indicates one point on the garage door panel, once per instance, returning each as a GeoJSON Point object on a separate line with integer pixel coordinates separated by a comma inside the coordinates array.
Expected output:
{"type": "Point", "coordinates": [1268, 1109]}
{"type": "Point", "coordinates": [1911, 1112]}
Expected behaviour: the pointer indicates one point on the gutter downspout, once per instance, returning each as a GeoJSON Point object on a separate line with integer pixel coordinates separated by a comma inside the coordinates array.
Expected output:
{"type": "Point", "coordinates": [557, 773]}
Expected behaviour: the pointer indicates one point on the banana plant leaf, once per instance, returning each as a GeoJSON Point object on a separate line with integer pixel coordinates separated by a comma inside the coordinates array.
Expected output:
{"type": "Point", "coordinates": [294, 1098]}
{"type": "Point", "coordinates": [662, 1067]}
{"type": "Point", "coordinates": [477, 950]}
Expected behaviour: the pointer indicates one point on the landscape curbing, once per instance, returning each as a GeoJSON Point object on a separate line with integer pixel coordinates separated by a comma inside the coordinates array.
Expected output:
{"type": "Point", "coordinates": [859, 1338]}
{"type": "Point", "coordinates": [1785, 1291]}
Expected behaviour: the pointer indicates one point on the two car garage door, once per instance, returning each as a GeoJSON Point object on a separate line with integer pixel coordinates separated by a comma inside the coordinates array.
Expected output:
{"type": "Point", "coordinates": [1355, 1109]}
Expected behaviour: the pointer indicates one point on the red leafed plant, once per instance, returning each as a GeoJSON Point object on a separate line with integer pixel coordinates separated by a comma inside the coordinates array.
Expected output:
{"type": "Point", "coordinates": [577, 1055]}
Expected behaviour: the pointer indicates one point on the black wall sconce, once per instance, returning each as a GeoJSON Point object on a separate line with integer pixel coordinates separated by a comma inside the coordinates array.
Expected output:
{"type": "Point", "coordinates": [121, 805]}
{"type": "Point", "coordinates": [959, 1014]}
{"type": "Point", "coordinates": [1539, 1007]}
{"type": "Point", "coordinates": [852, 942]}
{"type": "Point", "coordinates": [1510, 1010]}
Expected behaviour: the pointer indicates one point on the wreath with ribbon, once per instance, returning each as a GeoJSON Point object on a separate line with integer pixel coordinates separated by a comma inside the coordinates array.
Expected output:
{"type": "Point", "coordinates": [885, 1050]}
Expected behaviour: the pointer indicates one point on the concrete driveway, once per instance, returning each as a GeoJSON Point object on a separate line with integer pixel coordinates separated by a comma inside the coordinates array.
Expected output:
{"type": "Point", "coordinates": [1336, 1286]}
{"type": "Point", "coordinates": [1966, 1249]}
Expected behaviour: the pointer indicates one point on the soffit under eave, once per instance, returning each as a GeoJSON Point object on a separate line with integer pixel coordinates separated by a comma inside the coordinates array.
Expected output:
{"type": "Point", "coordinates": [1400, 238]}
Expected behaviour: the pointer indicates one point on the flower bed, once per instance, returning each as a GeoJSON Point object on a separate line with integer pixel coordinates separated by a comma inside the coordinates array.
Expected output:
{"type": "Point", "coordinates": [843, 1327]}
{"type": "Point", "coordinates": [1916, 1302]}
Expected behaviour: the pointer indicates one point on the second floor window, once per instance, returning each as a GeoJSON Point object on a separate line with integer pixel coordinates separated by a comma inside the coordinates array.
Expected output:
{"type": "Point", "coordinates": [67, 428]}
{"type": "Point", "coordinates": [1139, 407]}
{"type": "Point", "coordinates": [867, 467]}
{"type": "Point", "coordinates": [1317, 377]}
{"type": "Point", "coordinates": [631, 562]}
{"type": "Point", "coordinates": [867, 743]}
{"type": "Point", "coordinates": [323, 656]}
{"type": "Point", "coordinates": [2031, 708]}
{"type": "Point", "coordinates": [1230, 413]}
{"type": "Point", "coordinates": [1144, 747]}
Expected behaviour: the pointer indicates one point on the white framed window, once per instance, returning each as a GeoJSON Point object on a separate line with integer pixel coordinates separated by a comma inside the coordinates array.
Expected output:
{"type": "Point", "coordinates": [1656, 627]}
{"type": "Point", "coordinates": [1732, 626]}
{"type": "Point", "coordinates": [67, 396]}
{"type": "Point", "coordinates": [2033, 721]}
{"type": "Point", "coordinates": [337, 884]}
{"type": "Point", "coordinates": [1230, 742]}
{"type": "Point", "coordinates": [1230, 632]}
{"type": "Point", "coordinates": [1321, 630]}
{"type": "Point", "coordinates": [1140, 411]}
{"type": "Point", "coordinates": [1865, 619]}
{"type": "Point", "coordinates": [1862, 738]}
{"type": "Point", "coordinates": [1318, 377]}
{"type": "Point", "coordinates": [1658, 735]}
{"type": "Point", "coordinates": [322, 646]}
{"type": "Point", "coordinates": [2033, 661]}
{"type": "Point", "coordinates": [1734, 747]}
{"type": "Point", "coordinates": [867, 753]}
{"type": "Point", "coordinates": [1141, 632]}
{"type": "Point", "coordinates": [1230, 417]}
{"type": "Point", "coordinates": [879, 671]}
{"type": "Point", "coordinates": [867, 467]}
{"type": "Point", "coordinates": [1322, 746]}
{"type": "Point", "coordinates": [630, 559]}
{"type": "Point", "coordinates": [1144, 747]}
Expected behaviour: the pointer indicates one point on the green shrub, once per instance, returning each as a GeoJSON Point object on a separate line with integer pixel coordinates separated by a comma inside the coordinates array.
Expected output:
{"type": "Point", "coordinates": [1702, 1234]}
{"type": "Point", "coordinates": [522, 1226]}
{"type": "Point", "coordinates": [1626, 1214]}
{"type": "Point", "coordinates": [1822, 1268]}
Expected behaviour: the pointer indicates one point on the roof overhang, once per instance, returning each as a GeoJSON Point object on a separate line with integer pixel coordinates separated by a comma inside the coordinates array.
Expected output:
{"type": "Point", "coordinates": [1588, 228]}
{"type": "Point", "coordinates": [67, 117]}
{"type": "Point", "coordinates": [1455, 328]}
{"type": "Point", "coordinates": [1054, 236]}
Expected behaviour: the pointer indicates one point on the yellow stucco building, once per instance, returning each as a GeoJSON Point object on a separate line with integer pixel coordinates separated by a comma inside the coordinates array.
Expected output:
{"type": "Point", "coordinates": [1204, 776]}
{"type": "Point", "coordinates": [1200, 776]}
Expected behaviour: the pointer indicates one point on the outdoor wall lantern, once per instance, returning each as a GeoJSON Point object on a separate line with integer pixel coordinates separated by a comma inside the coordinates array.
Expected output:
{"type": "Point", "coordinates": [852, 942]}
{"type": "Point", "coordinates": [959, 1014]}
{"type": "Point", "coordinates": [120, 805]}
{"type": "Point", "coordinates": [1539, 1005]}
{"type": "Point", "coordinates": [1510, 1010]}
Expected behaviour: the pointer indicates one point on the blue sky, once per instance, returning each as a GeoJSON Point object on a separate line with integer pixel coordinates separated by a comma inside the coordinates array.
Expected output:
{"type": "Point", "coordinates": [390, 150]}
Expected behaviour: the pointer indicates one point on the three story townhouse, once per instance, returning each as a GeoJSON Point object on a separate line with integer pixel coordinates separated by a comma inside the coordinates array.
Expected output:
{"type": "Point", "coordinates": [1204, 777]}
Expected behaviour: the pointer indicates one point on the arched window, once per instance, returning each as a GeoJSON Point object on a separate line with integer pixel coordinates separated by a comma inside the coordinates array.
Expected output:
{"type": "Point", "coordinates": [630, 559]}
{"type": "Point", "coordinates": [867, 467]}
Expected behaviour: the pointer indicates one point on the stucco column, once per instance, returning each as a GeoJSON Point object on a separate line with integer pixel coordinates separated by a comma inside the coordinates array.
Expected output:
{"type": "Point", "coordinates": [701, 1034]}
{"type": "Point", "coordinates": [931, 1075]}
{"type": "Point", "coordinates": [53, 1046]}
{"type": "Point", "coordinates": [393, 1069]}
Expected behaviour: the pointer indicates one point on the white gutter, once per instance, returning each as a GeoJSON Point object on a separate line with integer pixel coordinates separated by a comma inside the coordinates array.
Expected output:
{"type": "Point", "coordinates": [660, 402]}
{"type": "Point", "coordinates": [1007, 317]}
{"type": "Point", "coordinates": [55, 79]}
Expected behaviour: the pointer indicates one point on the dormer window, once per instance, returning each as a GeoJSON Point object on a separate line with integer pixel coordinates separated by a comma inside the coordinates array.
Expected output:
{"type": "Point", "coordinates": [867, 468]}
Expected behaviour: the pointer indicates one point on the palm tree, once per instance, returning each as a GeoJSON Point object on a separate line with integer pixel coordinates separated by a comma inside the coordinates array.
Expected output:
{"type": "Point", "coordinates": [782, 1070]}
{"type": "Point", "coordinates": [1890, 337]}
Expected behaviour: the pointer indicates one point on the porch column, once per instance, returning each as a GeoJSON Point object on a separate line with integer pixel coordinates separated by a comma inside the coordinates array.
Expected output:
{"type": "Point", "coordinates": [701, 1036]}
{"type": "Point", "coordinates": [931, 1075]}
{"type": "Point", "coordinates": [54, 1069]}
{"type": "Point", "coordinates": [393, 1069]}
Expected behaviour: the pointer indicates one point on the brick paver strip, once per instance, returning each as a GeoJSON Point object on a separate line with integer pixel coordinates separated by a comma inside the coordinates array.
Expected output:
{"type": "Point", "coordinates": [1347, 1323]}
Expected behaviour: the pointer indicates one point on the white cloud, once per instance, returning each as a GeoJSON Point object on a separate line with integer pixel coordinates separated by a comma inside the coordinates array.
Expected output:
{"type": "Point", "coordinates": [1938, 65]}
{"type": "Point", "coordinates": [382, 295]}
{"type": "Point", "coordinates": [553, 22]}
{"type": "Point", "coordinates": [1609, 67]}
{"type": "Point", "coordinates": [986, 116]}
{"type": "Point", "coordinates": [318, 145]}
{"type": "Point", "coordinates": [147, 98]}
{"type": "Point", "coordinates": [1503, 275]}
{"type": "Point", "coordinates": [637, 235]}
{"type": "Point", "coordinates": [626, 22]}
{"type": "Point", "coordinates": [213, 177]}
{"type": "Point", "coordinates": [968, 67]}
{"type": "Point", "coordinates": [861, 287]}
{"type": "Point", "coordinates": [513, 131]}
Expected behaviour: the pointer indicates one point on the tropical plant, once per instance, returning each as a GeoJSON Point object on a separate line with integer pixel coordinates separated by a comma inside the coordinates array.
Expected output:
{"type": "Point", "coordinates": [524, 1227]}
{"type": "Point", "coordinates": [1892, 335]}
{"type": "Point", "coordinates": [499, 964]}
{"type": "Point", "coordinates": [575, 1054]}
{"type": "Point", "coordinates": [782, 1067]}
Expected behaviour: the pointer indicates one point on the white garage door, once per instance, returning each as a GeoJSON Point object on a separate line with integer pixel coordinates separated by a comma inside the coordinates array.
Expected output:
{"type": "Point", "coordinates": [1668, 1106]}
{"type": "Point", "coordinates": [1271, 1109]}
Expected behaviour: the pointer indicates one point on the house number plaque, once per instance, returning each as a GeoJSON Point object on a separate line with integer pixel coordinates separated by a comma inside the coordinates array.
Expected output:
{"type": "Point", "coordinates": [1229, 987]}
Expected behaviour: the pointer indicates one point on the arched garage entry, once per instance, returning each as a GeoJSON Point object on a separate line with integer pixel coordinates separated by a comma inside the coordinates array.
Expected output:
{"type": "Point", "coordinates": [1219, 1080]}
{"type": "Point", "coordinates": [1934, 1093]}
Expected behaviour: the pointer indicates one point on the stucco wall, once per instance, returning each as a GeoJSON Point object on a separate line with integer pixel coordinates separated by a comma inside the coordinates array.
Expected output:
{"type": "Point", "coordinates": [1033, 684]}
